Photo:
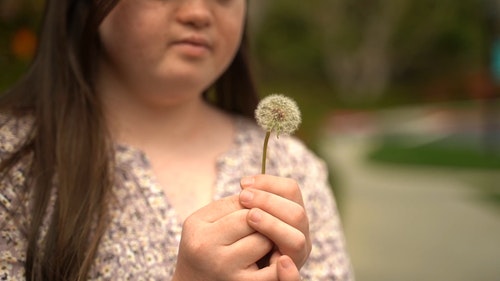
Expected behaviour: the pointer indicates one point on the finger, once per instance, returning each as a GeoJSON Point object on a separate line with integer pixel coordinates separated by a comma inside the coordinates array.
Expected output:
{"type": "Point", "coordinates": [251, 249]}
{"type": "Point", "coordinates": [289, 240]}
{"type": "Point", "coordinates": [287, 211]}
{"type": "Point", "coordinates": [284, 187]}
{"type": "Point", "coordinates": [274, 257]}
{"type": "Point", "coordinates": [218, 209]}
{"type": "Point", "coordinates": [287, 271]}
{"type": "Point", "coordinates": [268, 273]}
{"type": "Point", "coordinates": [233, 227]}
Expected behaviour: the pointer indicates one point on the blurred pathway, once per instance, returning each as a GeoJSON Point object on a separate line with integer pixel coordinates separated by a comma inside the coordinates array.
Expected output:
{"type": "Point", "coordinates": [406, 223]}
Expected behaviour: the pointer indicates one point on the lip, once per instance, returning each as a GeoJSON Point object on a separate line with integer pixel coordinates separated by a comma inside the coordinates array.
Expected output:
{"type": "Point", "coordinates": [194, 43]}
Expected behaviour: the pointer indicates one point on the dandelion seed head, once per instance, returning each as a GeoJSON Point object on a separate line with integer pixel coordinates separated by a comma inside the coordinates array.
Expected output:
{"type": "Point", "coordinates": [278, 113]}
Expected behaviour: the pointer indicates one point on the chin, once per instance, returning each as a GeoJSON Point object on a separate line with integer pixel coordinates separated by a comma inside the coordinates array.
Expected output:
{"type": "Point", "coordinates": [187, 85]}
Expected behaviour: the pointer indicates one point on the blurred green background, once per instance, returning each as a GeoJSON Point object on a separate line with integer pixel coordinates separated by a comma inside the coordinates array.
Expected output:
{"type": "Point", "coordinates": [400, 97]}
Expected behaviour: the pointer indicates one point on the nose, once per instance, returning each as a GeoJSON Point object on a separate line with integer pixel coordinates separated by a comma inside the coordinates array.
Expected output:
{"type": "Point", "coordinates": [195, 13]}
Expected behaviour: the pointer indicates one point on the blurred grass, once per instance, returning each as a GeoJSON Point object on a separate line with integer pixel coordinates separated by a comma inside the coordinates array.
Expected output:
{"type": "Point", "coordinates": [445, 152]}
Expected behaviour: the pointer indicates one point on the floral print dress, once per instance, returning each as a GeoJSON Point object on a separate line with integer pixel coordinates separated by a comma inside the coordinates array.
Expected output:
{"type": "Point", "coordinates": [142, 240]}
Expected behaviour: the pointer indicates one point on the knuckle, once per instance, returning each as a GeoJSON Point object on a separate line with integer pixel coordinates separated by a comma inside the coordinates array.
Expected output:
{"type": "Point", "coordinates": [299, 244]}
{"type": "Point", "coordinates": [301, 247]}
{"type": "Point", "coordinates": [299, 216]}
{"type": "Point", "coordinates": [188, 222]}
{"type": "Point", "coordinates": [192, 237]}
{"type": "Point", "coordinates": [194, 244]}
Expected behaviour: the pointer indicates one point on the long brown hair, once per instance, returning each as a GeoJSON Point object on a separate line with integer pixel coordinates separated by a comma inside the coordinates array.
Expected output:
{"type": "Point", "coordinates": [69, 142]}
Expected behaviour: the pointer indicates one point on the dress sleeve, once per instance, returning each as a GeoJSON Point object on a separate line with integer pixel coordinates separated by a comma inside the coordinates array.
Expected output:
{"type": "Point", "coordinates": [12, 242]}
{"type": "Point", "coordinates": [329, 259]}
{"type": "Point", "coordinates": [12, 237]}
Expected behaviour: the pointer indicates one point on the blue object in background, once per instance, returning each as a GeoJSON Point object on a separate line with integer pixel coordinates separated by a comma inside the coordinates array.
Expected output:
{"type": "Point", "coordinates": [495, 61]}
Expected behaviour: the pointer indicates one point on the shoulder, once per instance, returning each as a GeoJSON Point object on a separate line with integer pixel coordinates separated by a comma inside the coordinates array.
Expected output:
{"type": "Point", "coordinates": [13, 133]}
{"type": "Point", "coordinates": [13, 221]}
{"type": "Point", "coordinates": [14, 130]}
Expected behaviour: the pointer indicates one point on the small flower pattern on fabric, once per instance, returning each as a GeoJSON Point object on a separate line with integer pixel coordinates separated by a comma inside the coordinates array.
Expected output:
{"type": "Point", "coordinates": [142, 239]}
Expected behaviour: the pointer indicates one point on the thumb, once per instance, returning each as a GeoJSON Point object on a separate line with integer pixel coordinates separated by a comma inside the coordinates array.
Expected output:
{"type": "Point", "coordinates": [287, 271]}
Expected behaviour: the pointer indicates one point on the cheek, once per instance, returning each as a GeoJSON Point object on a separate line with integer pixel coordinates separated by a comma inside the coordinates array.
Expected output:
{"type": "Point", "coordinates": [112, 33]}
{"type": "Point", "coordinates": [124, 31]}
{"type": "Point", "coordinates": [232, 29]}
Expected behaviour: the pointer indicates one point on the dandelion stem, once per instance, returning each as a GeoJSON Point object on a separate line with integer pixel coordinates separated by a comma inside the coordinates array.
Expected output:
{"type": "Point", "coordinates": [264, 152]}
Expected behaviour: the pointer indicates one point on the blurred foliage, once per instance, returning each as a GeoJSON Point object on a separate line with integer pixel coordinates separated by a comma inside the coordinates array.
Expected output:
{"type": "Point", "coordinates": [288, 44]}
{"type": "Point", "coordinates": [19, 20]}
{"type": "Point", "coordinates": [363, 54]}
{"type": "Point", "coordinates": [451, 151]}
{"type": "Point", "coordinates": [423, 43]}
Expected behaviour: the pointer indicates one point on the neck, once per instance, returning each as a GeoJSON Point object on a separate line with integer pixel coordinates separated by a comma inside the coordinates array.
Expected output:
{"type": "Point", "coordinates": [142, 126]}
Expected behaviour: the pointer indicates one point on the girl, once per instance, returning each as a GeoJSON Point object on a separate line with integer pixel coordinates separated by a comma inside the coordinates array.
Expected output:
{"type": "Point", "coordinates": [127, 153]}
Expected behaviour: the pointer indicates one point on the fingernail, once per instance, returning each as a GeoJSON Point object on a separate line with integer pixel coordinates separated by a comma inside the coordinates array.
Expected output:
{"type": "Point", "coordinates": [255, 215]}
{"type": "Point", "coordinates": [247, 181]}
{"type": "Point", "coordinates": [246, 196]}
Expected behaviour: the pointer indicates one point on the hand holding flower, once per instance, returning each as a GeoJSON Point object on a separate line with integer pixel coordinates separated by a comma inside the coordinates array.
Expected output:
{"type": "Point", "coordinates": [277, 211]}
{"type": "Point", "coordinates": [276, 206]}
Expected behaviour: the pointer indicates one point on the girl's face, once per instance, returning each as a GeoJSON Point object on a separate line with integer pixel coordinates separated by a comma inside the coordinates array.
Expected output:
{"type": "Point", "coordinates": [154, 47]}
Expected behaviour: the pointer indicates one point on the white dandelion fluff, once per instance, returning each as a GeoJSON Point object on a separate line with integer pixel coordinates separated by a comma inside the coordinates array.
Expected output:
{"type": "Point", "coordinates": [277, 113]}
